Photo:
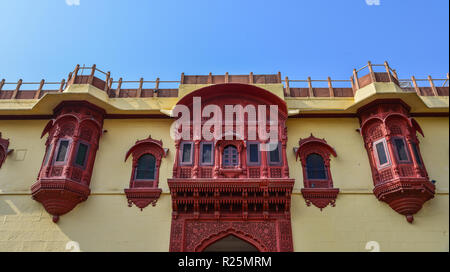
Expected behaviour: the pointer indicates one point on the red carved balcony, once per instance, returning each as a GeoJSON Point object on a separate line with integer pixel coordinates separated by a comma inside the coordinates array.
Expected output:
{"type": "Point", "coordinates": [71, 146]}
{"type": "Point", "coordinates": [398, 169]}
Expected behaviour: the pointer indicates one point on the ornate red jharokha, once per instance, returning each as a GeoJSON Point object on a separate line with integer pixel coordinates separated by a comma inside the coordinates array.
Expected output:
{"type": "Point", "coordinates": [4, 151]}
{"type": "Point", "coordinates": [72, 144]}
{"type": "Point", "coordinates": [144, 192]}
{"type": "Point", "coordinates": [250, 200]}
{"type": "Point", "coordinates": [319, 192]}
{"type": "Point", "coordinates": [398, 169]}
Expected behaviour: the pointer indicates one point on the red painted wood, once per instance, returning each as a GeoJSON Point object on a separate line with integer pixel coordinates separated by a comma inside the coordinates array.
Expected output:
{"type": "Point", "coordinates": [250, 202]}
{"type": "Point", "coordinates": [141, 193]}
{"type": "Point", "coordinates": [4, 143]}
{"type": "Point", "coordinates": [323, 194]}
{"type": "Point", "coordinates": [62, 185]}
{"type": "Point", "coordinates": [405, 186]}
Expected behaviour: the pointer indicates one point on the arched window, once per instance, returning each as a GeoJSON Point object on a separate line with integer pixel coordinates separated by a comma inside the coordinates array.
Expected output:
{"type": "Point", "coordinates": [147, 155]}
{"type": "Point", "coordinates": [146, 166]}
{"type": "Point", "coordinates": [230, 156]}
{"type": "Point", "coordinates": [314, 154]}
{"type": "Point", "coordinates": [315, 167]}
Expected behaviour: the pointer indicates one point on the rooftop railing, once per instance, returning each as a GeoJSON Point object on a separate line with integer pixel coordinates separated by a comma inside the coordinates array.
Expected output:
{"type": "Point", "coordinates": [152, 88]}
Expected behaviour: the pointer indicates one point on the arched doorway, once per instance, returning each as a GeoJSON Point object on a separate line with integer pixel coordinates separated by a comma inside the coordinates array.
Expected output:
{"type": "Point", "coordinates": [230, 243]}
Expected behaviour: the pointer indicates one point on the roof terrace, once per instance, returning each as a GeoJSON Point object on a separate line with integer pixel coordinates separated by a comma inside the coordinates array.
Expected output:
{"type": "Point", "coordinates": [292, 87]}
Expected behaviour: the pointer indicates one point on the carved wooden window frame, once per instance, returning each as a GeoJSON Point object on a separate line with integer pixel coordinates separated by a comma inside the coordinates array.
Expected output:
{"type": "Point", "coordinates": [319, 196]}
{"type": "Point", "coordinates": [405, 145]}
{"type": "Point", "coordinates": [202, 144]}
{"type": "Point", "coordinates": [143, 192]}
{"type": "Point", "coordinates": [250, 163]}
{"type": "Point", "coordinates": [66, 156]}
{"type": "Point", "coordinates": [230, 165]}
{"type": "Point", "coordinates": [280, 158]}
{"type": "Point", "coordinates": [191, 160]}
{"type": "Point", "coordinates": [86, 156]}
{"type": "Point", "coordinates": [48, 152]}
{"type": "Point", "coordinates": [324, 166]}
{"type": "Point", "coordinates": [388, 163]}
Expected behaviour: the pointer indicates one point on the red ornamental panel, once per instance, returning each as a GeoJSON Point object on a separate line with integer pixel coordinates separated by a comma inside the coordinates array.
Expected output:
{"type": "Point", "coordinates": [71, 146]}
{"type": "Point", "coordinates": [314, 154]}
{"type": "Point", "coordinates": [147, 155]}
{"type": "Point", "coordinates": [189, 235]}
{"type": "Point", "coordinates": [398, 169]}
{"type": "Point", "coordinates": [231, 185]}
{"type": "Point", "coordinates": [4, 151]}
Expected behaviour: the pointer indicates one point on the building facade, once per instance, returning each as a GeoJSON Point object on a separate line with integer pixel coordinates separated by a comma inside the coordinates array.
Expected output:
{"type": "Point", "coordinates": [94, 164]}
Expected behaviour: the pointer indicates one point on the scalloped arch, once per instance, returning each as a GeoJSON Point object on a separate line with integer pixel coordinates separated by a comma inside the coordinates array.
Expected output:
{"type": "Point", "coordinates": [231, 231]}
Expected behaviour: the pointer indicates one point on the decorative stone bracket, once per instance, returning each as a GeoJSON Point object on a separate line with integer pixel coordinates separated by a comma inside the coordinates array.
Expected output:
{"type": "Point", "coordinates": [142, 197]}
{"type": "Point", "coordinates": [320, 197]}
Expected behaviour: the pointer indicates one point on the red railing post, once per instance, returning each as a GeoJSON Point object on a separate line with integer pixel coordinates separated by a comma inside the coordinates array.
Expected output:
{"type": "Point", "coordinates": [139, 91]}
{"type": "Point", "coordinates": [372, 74]}
{"type": "Point", "coordinates": [310, 88]}
{"type": "Point", "coordinates": [119, 85]}
{"type": "Point", "coordinates": [1, 84]}
{"type": "Point", "coordinates": [61, 87]}
{"type": "Point", "coordinates": [355, 78]}
{"type": "Point", "coordinates": [16, 91]}
{"type": "Point", "coordinates": [182, 78]}
{"type": "Point", "coordinates": [386, 65]}
{"type": "Point", "coordinates": [38, 93]}
{"type": "Point", "coordinates": [108, 76]}
{"type": "Point", "coordinates": [330, 87]}
{"type": "Point", "coordinates": [433, 88]}
{"type": "Point", "coordinates": [416, 87]}
{"type": "Point", "coordinates": [91, 76]}
{"type": "Point", "coordinates": [288, 88]}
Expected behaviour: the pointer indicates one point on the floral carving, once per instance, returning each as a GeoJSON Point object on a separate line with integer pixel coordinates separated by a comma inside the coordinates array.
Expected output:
{"type": "Point", "coordinates": [143, 193]}
{"type": "Point", "coordinates": [61, 185]}
{"type": "Point", "coordinates": [320, 193]}
{"type": "Point", "coordinates": [403, 184]}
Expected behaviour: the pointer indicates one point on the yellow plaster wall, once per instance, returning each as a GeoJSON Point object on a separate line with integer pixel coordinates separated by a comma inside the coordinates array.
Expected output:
{"type": "Point", "coordinates": [350, 169]}
{"type": "Point", "coordinates": [105, 223]}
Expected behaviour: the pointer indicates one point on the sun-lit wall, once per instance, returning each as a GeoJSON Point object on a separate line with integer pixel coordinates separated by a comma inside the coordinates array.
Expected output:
{"type": "Point", "coordinates": [105, 222]}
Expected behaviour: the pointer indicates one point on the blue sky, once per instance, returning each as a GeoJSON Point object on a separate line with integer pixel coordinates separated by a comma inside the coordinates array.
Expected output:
{"type": "Point", "coordinates": [135, 38]}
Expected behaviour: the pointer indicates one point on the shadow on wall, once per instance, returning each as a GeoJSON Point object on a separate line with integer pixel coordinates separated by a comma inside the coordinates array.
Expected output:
{"type": "Point", "coordinates": [103, 223]}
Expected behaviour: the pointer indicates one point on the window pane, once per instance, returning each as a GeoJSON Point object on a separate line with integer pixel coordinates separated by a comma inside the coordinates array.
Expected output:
{"type": "Point", "coordinates": [230, 156]}
{"type": "Point", "coordinates": [47, 154]}
{"type": "Point", "coordinates": [381, 153]}
{"type": "Point", "coordinates": [254, 153]}
{"type": "Point", "coordinates": [315, 167]}
{"type": "Point", "coordinates": [81, 154]}
{"type": "Point", "coordinates": [416, 153]}
{"type": "Point", "coordinates": [186, 153]}
{"type": "Point", "coordinates": [401, 149]}
{"type": "Point", "coordinates": [275, 155]}
{"type": "Point", "coordinates": [146, 167]}
{"type": "Point", "coordinates": [207, 154]}
{"type": "Point", "coordinates": [62, 151]}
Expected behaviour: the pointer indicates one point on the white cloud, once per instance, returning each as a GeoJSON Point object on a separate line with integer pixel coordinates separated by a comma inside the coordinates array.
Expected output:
{"type": "Point", "coordinates": [73, 2]}
{"type": "Point", "coordinates": [368, 2]}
